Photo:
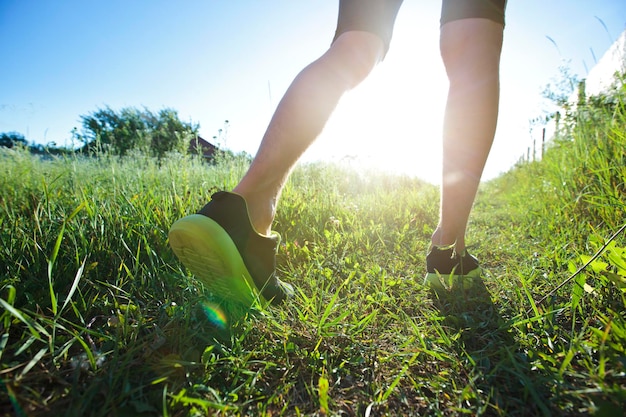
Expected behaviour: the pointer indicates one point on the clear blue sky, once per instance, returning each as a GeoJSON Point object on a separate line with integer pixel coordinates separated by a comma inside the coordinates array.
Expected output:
{"type": "Point", "coordinates": [218, 60]}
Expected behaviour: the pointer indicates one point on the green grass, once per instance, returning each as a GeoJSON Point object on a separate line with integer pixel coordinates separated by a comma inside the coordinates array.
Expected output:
{"type": "Point", "coordinates": [99, 318]}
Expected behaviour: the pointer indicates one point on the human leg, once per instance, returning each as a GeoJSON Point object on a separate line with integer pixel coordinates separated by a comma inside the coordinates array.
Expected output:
{"type": "Point", "coordinates": [228, 245]}
{"type": "Point", "coordinates": [470, 50]}
{"type": "Point", "coordinates": [470, 43]}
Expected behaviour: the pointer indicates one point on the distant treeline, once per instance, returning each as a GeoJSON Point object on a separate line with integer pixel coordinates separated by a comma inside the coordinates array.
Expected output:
{"type": "Point", "coordinates": [119, 132]}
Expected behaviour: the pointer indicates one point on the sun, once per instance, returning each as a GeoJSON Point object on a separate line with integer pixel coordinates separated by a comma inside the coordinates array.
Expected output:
{"type": "Point", "coordinates": [392, 122]}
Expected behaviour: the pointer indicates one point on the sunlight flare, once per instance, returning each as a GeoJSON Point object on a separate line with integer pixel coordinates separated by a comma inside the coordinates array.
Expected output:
{"type": "Point", "coordinates": [215, 314]}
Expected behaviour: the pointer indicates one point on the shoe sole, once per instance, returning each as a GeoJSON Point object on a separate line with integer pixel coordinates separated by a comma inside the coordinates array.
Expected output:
{"type": "Point", "coordinates": [207, 250]}
{"type": "Point", "coordinates": [438, 281]}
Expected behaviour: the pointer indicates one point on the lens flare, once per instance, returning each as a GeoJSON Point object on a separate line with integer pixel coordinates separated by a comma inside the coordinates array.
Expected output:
{"type": "Point", "coordinates": [215, 314]}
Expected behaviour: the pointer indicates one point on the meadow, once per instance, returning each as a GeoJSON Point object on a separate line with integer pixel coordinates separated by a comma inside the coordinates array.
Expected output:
{"type": "Point", "coordinates": [99, 318]}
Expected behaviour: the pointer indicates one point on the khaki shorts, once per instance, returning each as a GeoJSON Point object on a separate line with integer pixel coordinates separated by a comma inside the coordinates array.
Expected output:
{"type": "Point", "coordinates": [378, 16]}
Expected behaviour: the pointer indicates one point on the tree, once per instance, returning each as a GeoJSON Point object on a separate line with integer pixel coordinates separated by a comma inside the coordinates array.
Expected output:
{"type": "Point", "coordinates": [130, 128]}
{"type": "Point", "coordinates": [11, 139]}
{"type": "Point", "coordinates": [169, 133]}
{"type": "Point", "coordinates": [560, 90]}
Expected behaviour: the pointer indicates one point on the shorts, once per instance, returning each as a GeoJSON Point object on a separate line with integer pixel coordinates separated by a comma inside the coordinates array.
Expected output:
{"type": "Point", "coordinates": [378, 16]}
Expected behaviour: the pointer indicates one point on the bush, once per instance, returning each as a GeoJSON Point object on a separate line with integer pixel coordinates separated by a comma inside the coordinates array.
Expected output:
{"type": "Point", "coordinates": [130, 128]}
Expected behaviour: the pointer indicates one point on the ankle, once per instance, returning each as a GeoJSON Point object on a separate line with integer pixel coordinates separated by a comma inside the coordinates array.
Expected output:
{"type": "Point", "coordinates": [261, 211]}
{"type": "Point", "coordinates": [440, 239]}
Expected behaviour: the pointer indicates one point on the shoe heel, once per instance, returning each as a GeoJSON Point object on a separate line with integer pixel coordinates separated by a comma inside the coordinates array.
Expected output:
{"type": "Point", "coordinates": [207, 250]}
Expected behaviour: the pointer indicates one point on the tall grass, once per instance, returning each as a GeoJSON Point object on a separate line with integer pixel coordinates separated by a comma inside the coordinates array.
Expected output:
{"type": "Point", "coordinates": [99, 318]}
{"type": "Point", "coordinates": [572, 205]}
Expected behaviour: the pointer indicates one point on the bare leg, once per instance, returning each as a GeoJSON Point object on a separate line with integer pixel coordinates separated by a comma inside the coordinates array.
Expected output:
{"type": "Point", "coordinates": [301, 116]}
{"type": "Point", "coordinates": [470, 49]}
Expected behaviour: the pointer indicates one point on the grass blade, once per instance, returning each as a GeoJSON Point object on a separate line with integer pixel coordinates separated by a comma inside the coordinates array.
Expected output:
{"type": "Point", "coordinates": [18, 315]}
{"type": "Point", "coordinates": [6, 317]}
{"type": "Point", "coordinates": [32, 362]}
{"type": "Point", "coordinates": [79, 274]}
{"type": "Point", "coordinates": [54, 255]}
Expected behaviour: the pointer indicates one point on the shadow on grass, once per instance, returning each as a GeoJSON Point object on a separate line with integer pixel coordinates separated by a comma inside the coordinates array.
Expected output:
{"type": "Point", "coordinates": [497, 366]}
{"type": "Point", "coordinates": [151, 370]}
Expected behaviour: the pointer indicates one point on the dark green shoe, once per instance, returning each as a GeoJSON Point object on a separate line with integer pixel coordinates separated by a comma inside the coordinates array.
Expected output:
{"type": "Point", "coordinates": [444, 267]}
{"type": "Point", "coordinates": [221, 248]}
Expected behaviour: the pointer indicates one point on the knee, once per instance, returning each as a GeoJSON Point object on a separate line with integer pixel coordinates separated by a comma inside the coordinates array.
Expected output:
{"type": "Point", "coordinates": [471, 48]}
{"type": "Point", "coordinates": [353, 55]}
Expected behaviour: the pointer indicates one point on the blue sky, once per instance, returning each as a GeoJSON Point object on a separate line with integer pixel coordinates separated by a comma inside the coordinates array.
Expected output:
{"type": "Point", "coordinates": [217, 60]}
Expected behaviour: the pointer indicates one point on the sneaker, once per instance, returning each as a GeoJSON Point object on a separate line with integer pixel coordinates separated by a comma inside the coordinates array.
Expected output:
{"type": "Point", "coordinates": [444, 262]}
{"type": "Point", "coordinates": [221, 248]}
